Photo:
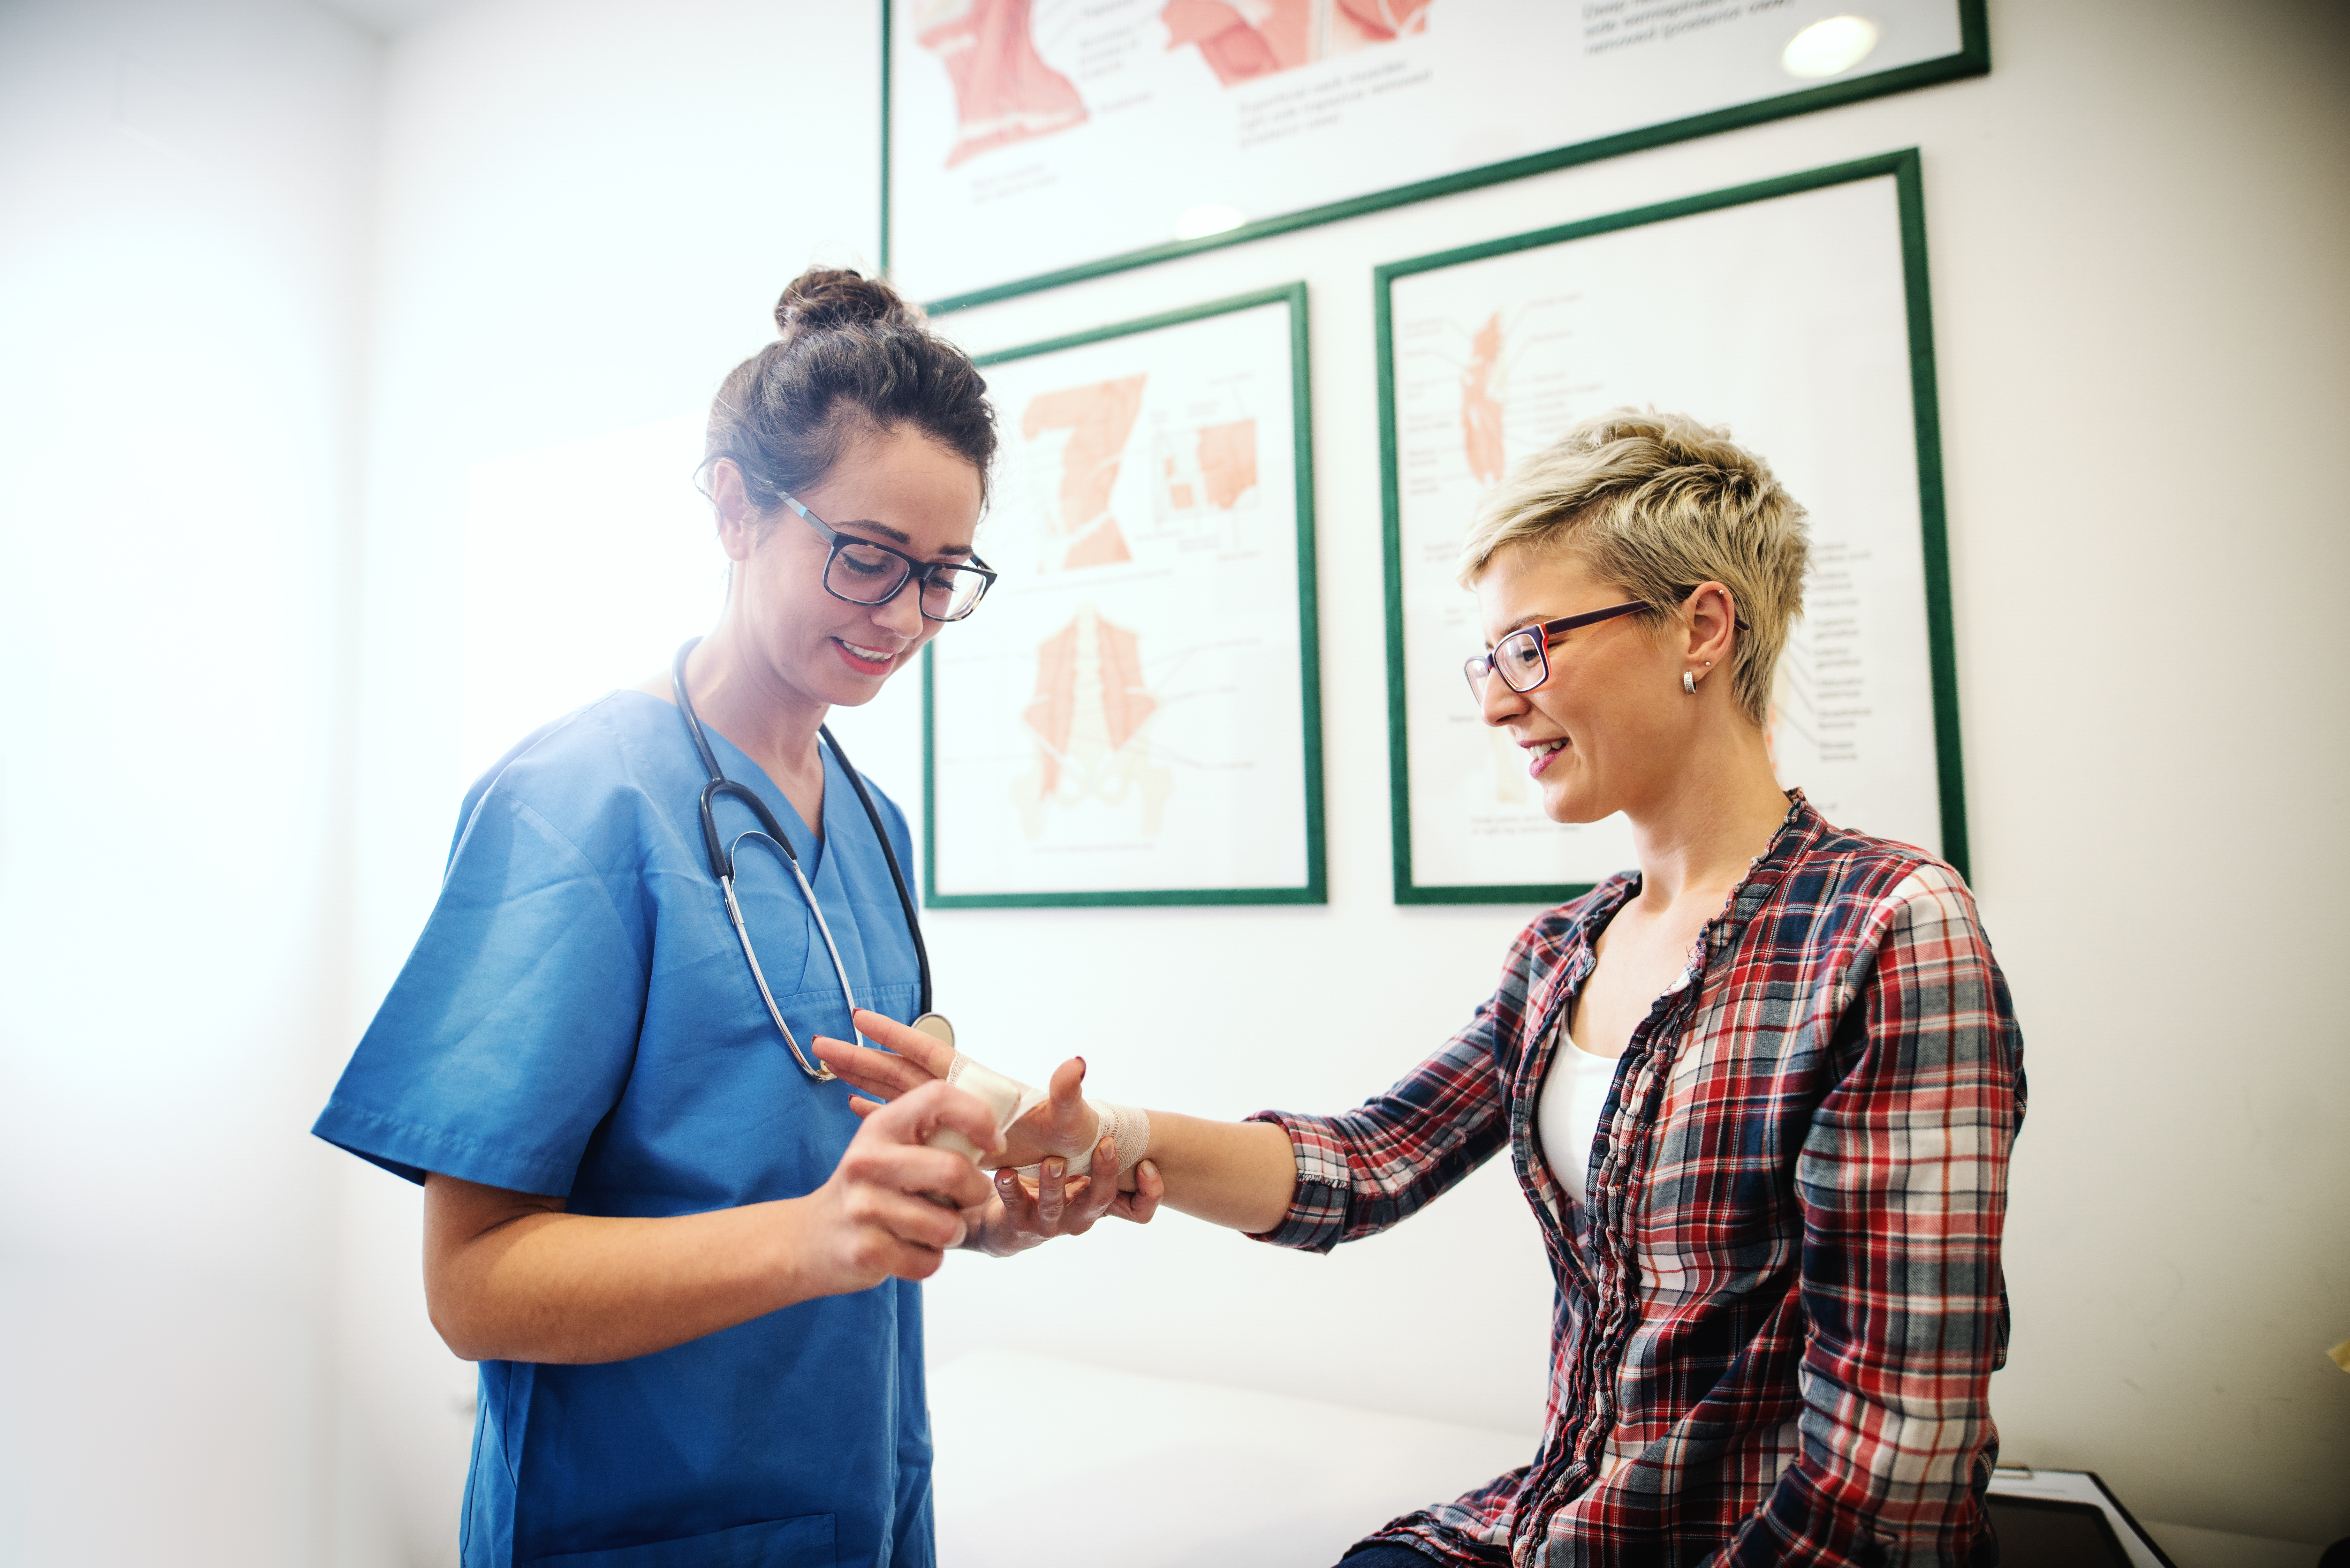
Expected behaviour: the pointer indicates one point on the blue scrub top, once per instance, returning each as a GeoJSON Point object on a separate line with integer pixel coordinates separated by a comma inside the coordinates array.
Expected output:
{"type": "Point", "coordinates": [577, 1019]}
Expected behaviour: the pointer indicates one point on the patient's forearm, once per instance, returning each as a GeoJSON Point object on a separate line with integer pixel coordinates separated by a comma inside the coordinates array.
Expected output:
{"type": "Point", "coordinates": [1239, 1174]}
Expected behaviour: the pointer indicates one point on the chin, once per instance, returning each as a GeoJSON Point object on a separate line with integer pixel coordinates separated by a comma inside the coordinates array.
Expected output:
{"type": "Point", "coordinates": [1573, 808]}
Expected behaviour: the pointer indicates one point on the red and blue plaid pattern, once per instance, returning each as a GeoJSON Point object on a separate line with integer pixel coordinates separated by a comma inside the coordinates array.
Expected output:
{"type": "Point", "coordinates": [1780, 1309]}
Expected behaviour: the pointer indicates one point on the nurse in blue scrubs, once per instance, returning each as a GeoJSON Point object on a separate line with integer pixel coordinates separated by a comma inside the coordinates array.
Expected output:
{"type": "Point", "coordinates": [686, 1267]}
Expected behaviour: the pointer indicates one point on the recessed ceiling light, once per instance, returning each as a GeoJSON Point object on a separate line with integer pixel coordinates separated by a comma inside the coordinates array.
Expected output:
{"type": "Point", "coordinates": [1198, 223]}
{"type": "Point", "coordinates": [1829, 49]}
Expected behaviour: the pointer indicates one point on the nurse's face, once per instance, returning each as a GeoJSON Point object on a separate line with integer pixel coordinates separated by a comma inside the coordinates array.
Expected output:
{"type": "Point", "coordinates": [900, 489]}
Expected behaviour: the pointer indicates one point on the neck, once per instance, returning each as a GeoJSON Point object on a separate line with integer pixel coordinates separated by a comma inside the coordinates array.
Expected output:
{"type": "Point", "coordinates": [741, 695]}
{"type": "Point", "coordinates": [1705, 827]}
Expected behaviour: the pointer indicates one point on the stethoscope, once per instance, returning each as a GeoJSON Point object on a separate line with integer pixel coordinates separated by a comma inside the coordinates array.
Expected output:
{"type": "Point", "coordinates": [771, 833]}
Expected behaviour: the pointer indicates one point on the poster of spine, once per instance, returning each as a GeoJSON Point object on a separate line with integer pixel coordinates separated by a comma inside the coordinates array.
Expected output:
{"type": "Point", "coordinates": [1032, 141]}
{"type": "Point", "coordinates": [1793, 313]}
{"type": "Point", "coordinates": [1133, 715]}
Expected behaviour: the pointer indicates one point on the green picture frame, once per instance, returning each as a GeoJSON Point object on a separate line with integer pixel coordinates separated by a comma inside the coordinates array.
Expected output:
{"type": "Point", "coordinates": [1904, 167]}
{"type": "Point", "coordinates": [1973, 58]}
{"type": "Point", "coordinates": [1314, 888]}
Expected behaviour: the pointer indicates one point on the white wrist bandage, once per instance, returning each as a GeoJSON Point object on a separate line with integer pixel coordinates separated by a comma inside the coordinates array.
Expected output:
{"type": "Point", "coordinates": [1010, 1099]}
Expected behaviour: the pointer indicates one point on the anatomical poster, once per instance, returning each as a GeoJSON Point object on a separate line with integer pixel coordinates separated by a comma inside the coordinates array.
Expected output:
{"type": "Point", "coordinates": [1131, 716]}
{"type": "Point", "coordinates": [1792, 313]}
{"type": "Point", "coordinates": [1031, 140]}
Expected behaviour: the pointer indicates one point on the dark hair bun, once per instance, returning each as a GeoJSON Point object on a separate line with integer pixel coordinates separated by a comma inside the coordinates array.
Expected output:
{"type": "Point", "coordinates": [830, 297]}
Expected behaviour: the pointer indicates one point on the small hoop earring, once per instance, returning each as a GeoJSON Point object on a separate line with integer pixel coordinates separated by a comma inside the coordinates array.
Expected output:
{"type": "Point", "coordinates": [1689, 682]}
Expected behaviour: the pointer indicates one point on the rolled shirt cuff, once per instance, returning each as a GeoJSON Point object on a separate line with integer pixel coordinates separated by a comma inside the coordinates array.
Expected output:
{"type": "Point", "coordinates": [1316, 1221]}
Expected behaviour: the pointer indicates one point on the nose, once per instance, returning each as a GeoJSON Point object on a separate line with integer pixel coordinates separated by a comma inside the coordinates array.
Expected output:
{"type": "Point", "coordinates": [1497, 702]}
{"type": "Point", "coordinates": [903, 613]}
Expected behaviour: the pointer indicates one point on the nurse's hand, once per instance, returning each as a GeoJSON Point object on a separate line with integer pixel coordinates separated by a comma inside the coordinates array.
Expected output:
{"type": "Point", "coordinates": [894, 1205]}
{"type": "Point", "coordinates": [1060, 1125]}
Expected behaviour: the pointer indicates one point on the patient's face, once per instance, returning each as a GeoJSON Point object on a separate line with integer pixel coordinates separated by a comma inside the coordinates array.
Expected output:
{"type": "Point", "coordinates": [1603, 734]}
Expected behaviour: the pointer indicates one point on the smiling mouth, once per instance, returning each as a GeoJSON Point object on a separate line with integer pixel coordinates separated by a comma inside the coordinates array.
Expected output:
{"type": "Point", "coordinates": [1539, 752]}
{"type": "Point", "coordinates": [867, 660]}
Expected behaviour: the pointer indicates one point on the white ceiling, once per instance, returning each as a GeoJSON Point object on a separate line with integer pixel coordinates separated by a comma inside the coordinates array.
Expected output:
{"type": "Point", "coordinates": [387, 18]}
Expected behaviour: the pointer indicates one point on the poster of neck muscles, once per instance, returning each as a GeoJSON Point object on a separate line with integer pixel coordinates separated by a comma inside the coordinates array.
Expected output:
{"type": "Point", "coordinates": [1034, 141]}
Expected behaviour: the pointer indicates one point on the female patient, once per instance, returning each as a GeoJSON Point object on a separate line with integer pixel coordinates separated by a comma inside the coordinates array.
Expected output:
{"type": "Point", "coordinates": [1760, 1091]}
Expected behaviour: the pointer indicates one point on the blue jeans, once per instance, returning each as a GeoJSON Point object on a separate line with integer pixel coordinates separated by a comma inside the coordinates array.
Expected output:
{"type": "Point", "coordinates": [1387, 1554]}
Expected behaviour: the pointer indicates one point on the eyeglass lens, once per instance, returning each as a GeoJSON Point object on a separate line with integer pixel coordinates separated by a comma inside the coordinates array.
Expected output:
{"type": "Point", "coordinates": [1519, 658]}
{"type": "Point", "coordinates": [870, 575]}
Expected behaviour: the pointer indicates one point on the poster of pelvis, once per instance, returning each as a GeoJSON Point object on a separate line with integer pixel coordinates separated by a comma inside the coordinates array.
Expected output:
{"type": "Point", "coordinates": [1129, 716]}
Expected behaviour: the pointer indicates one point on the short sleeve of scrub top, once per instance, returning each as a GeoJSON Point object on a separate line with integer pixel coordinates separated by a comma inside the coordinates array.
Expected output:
{"type": "Point", "coordinates": [577, 1019]}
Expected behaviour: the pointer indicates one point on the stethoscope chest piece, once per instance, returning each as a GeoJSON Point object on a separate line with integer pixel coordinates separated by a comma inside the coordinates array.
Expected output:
{"type": "Point", "coordinates": [936, 1026]}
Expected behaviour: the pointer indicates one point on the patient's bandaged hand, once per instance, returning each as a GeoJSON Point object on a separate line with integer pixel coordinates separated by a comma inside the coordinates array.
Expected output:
{"type": "Point", "coordinates": [1007, 1099]}
{"type": "Point", "coordinates": [1010, 1099]}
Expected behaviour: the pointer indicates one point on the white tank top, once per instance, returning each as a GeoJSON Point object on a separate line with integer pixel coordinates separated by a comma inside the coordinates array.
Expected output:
{"type": "Point", "coordinates": [1567, 1113]}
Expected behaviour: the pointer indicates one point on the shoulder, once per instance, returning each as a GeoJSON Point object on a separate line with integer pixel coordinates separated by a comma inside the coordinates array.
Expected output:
{"type": "Point", "coordinates": [882, 803]}
{"type": "Point", "coordinates": [1841, 876]}
{"type": "Point", "coordinates": [1869, 909]}
{"type": "Point", "coordinates": [581, 775]}
{"type": "Point", "coordinates": [891, 820]}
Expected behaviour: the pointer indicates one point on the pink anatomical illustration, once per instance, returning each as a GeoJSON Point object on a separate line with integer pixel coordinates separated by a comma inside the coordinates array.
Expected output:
{"type": "Point", "coordinates": [1099, 418]}
{"type": "Point", "coordinates": [1206, 470]}
{"type": "Point", "coordinates": [1243, 39]}
{"type": "Point", "coordinates": [1086, 721]}
{"type": "Point", "coordinates": [1005, 92]}
{"type": "Point", "coordinates": [1481, 402]}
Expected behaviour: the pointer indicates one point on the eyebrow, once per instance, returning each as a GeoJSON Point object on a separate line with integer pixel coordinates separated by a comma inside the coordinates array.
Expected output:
{"type": "Point", "coordinates": [898, 535]}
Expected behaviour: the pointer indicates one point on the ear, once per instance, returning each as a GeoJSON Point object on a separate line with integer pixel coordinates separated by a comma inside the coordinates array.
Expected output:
{"type": "Point", "coordinates": [738, 519]}
{"type": "Point", "coordinates": [1712, 616]}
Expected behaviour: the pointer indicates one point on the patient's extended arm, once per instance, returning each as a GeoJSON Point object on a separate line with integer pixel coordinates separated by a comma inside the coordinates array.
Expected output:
{"type": "Point", "coordinates": [1240, 1174]}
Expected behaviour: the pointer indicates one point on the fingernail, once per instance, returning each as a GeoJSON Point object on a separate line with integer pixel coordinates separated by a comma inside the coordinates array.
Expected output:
{"type": "Point", "coordinates": [1054, 1167]}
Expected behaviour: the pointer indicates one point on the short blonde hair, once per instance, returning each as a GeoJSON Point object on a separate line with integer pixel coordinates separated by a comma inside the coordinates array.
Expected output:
{"type": "Point", "coordinates": [1658, 504]}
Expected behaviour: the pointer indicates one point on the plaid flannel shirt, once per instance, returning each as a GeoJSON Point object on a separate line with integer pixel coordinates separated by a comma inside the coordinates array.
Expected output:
{"type": "Point", "coordinates": [1780, 1308]}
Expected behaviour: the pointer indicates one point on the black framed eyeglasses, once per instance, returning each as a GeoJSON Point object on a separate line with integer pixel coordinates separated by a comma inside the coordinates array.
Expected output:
{"type": "Point", "coordinates": [1523, 657]}
{"type": "Point", "coordinates": [864, 573]}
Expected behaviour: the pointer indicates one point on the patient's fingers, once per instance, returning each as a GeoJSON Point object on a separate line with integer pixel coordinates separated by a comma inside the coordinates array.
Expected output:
{"type": "Point", "coordinates": [863, 1106]}
{"type": "Point", "coordinates": [935, 1057]}
{"type": "Point", "coordinates": [1019, 1207]}
{"type": "Point", "coordinates": [1066, 1087]}
{"type": "Point", "coordinates": [1052, 1193]}
{"type": "Point", "coordinates": [1100, 1193]}
{"type": "Point", "coordinates": [1141, 1203]}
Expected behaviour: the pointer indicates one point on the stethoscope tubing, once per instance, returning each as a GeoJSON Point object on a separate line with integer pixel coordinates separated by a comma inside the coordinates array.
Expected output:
{"type": "Point", "coordinates": [721, 861]}
{"type": "Point", "coordinates": [816, 1070]}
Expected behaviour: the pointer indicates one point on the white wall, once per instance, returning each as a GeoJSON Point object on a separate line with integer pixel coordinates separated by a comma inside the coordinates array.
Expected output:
{"type": "Point", "coordinates": [183, 227]}
{"type": "Point", "coordinates": [2137, 225]}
